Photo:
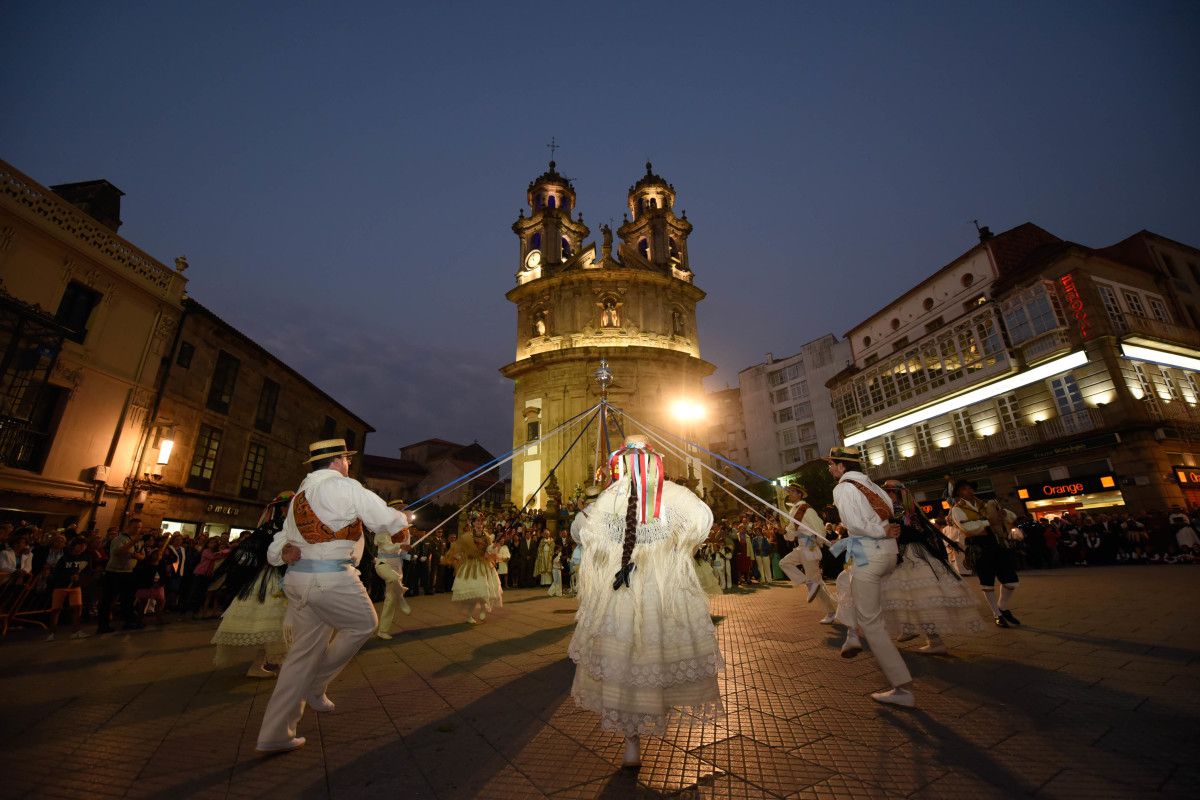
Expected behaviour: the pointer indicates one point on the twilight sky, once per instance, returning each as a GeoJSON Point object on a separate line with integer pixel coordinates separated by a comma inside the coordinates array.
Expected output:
{"type": "Point", "coordinates": [343, 176]}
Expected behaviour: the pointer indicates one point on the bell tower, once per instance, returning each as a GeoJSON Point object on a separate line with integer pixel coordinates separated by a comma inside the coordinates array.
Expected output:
{"type": "Point", "coordinates": [654, 236]}
{"type": "Point", "coordinates": [577, 303]}
{"type": "Point", "coordinates": [548, 236]}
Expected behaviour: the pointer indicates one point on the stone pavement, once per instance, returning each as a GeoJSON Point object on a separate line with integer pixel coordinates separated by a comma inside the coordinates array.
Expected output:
{"type": "Point", "coordinates": [1097, 696]}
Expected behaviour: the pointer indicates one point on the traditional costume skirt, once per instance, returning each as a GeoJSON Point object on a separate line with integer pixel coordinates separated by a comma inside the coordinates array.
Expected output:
{"type": "Point", "coordinates": [923, 596]}
{"type": "Point", "coordinates": [476, 579]}
{"type": "Point", "coordinates": [647, 648]}
{"type": "Point", "coordinates": [248, 625]}
{"type": "Point", "coordinates": [706, 576]}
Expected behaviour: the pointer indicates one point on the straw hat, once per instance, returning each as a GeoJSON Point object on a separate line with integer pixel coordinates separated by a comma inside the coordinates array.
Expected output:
{"type": "Point", "coordinates": [328, 448]}
{"type": "Point", "coordinates": [845, 454]}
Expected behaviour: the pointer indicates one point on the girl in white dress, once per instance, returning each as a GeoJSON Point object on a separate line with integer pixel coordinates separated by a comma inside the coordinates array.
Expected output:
{"type": "Point", "coordinates": [644, 643]}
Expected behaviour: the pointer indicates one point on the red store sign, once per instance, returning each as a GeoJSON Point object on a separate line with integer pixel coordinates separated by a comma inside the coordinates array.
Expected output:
{"type": "Point", "coordinates": [1075, 303]}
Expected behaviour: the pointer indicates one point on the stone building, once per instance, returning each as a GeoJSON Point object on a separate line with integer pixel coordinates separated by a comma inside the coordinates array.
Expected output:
{"type": "Point", "coordinates": [725, 428]}
{"type": "Point", "coordinates": [578, 303]}
{"type": "Point", "coordinates": [1061, 376]}
{"type": "Point", "coordinates": [85, 320]}
{"type": "Point", "coordinates": [425, 466]}
{"type": "Point", "coordinates": [238, 422]}
{"type": "Point", "coordinates": [787, 408]}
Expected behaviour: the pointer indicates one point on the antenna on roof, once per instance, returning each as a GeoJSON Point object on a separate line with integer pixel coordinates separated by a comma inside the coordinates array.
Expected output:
{"type": "Point", "coordinates": [984, 232]}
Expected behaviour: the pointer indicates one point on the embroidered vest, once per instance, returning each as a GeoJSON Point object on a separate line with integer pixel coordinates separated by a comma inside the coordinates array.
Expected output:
{"type": "Point", "coordinates": [880, 506]}
{"type": "Point", "coordinates": [314, 531]}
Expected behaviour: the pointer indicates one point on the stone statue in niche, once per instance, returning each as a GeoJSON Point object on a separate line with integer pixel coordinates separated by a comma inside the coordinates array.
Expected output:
{"type": "Point", "coordinates": [677, 325]}
{"type": "Point", "coordinates": [610, 313]}
{"type": "Point", "coordinates": [606, 244]}
{"type": "Point", "coordinates": [539, 323]}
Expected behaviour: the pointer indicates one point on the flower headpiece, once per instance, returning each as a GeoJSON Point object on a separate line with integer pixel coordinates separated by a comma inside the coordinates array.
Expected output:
{"type": "Point", "coordinates": [638, 460]}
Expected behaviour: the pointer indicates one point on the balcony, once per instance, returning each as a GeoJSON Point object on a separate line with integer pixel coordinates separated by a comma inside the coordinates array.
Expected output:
{"type": "Point", "coordinates": [1048, 344]}
{"type": "Point", "coordinates": [1061, 427]}
{"type": "Point", "coordinates": [21, 446]}
{"type": "Point", "coordinates": [1132, 327]}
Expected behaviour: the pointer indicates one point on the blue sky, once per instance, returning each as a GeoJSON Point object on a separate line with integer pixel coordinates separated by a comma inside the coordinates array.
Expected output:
{"type": "Point", "coordinates": [361, 163]}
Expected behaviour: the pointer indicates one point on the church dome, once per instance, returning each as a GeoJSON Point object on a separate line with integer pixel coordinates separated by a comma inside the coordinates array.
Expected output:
{"type": "Point", "coordinates": [551, 190]}
{"type": "Point", "coordinates": [649, 193]}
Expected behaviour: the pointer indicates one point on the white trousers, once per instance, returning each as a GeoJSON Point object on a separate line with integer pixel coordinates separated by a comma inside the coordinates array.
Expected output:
{"type": "Point", "coordinates": [724, 574]}
{"type": "Point", "coordinates": [764, 568]}
{"type": "Point", "coordinates": [393, 593]}
{"type": "Point", "coordinates": [330, 616]}
{"type": "Point", "coordinates": [869, 613]}
{"type": "Point", "coordinates": [803, 571]}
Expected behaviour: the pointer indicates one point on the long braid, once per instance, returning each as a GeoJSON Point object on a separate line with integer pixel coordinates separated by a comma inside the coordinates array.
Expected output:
{"type": "Point", "coordinates": [630, 524]}
{"type": "Point", "coordinates": [631, 515]}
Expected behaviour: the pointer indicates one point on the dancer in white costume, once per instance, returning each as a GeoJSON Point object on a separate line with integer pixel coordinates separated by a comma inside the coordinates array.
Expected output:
{"type": "Point", "coordinates": [803, 564]}
{"type": "Point", "coordinates": [644, 643]}
{"type": "Point", "coordinates": [924, 595]}
{"type": "Point", "coordinates": [329, 612]}
{"type": "Point", "coordinates": [476, 582]}
{"type": "Point", "coordinates": [866, 511]}
{"type": "Point", "coordinates": [392, 552]}
{"type": "Point", "coordinates": [252, 626]}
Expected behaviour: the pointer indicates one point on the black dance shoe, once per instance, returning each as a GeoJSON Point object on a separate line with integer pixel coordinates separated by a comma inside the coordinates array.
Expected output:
{"type": "Point", "coordinates": [1001, 622]}
{"type": "Point", "coordinates": [1008, 615]}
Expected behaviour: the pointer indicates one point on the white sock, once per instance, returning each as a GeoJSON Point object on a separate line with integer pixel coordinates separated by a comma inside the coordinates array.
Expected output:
{"type": "Point", "coordinates": [1006, 593]}
{"type": "Point", "coordinates": [990, 594]}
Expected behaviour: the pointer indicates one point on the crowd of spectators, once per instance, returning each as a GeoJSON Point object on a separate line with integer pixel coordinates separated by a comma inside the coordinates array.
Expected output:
{"type": "Point", "coordinates": [142, 575]}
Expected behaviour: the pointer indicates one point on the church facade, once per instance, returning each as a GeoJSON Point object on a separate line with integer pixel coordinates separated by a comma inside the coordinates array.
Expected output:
{"type": "Point", "coordinates": [578, 304]}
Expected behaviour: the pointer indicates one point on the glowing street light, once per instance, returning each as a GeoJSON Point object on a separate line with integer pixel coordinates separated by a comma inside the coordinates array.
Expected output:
{"type": "Point", "coordinates": [687, 411]}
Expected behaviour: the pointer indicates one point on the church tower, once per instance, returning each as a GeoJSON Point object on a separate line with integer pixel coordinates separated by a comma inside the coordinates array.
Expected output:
{"type": "Point", "coordinates": [578, 304]}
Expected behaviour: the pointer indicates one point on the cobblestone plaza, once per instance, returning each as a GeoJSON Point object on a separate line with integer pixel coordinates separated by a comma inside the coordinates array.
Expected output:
{"type": "Point", "coordinates": [1095, 696]}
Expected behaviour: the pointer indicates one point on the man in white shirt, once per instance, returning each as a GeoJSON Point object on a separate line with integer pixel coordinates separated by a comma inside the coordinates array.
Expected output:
{"type": "Point", "coordinates": [803, 564]}
{"type": "Point", "coordinates": [392, 550]}
{"type": "Point", "coordinates": [866, 512]}
{"type": "Point", "coordinates": [329, 613]}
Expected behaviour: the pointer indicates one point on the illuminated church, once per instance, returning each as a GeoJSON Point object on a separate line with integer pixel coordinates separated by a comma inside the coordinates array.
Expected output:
{"type": "Point", "coordinates": [578, 303]}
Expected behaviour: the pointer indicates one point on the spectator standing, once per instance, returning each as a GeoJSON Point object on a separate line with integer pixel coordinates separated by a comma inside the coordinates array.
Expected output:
{"type": "Point", "coordinates": [66, 577]}
{"type": "Point", "coordinates": [123, 554]}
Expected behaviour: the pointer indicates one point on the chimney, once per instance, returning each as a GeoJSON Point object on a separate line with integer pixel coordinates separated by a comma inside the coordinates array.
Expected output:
{"type": "Point", "coordinates": [985, 233]}
{"type": "Point", "coordinates": [770, 358]}
{"type": "Point", "coordinates": [99, 199]}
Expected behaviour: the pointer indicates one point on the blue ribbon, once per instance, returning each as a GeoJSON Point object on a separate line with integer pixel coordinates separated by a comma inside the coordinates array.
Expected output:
{"type": "Point", "coordinates": [320, 565]}
{"type": "Point", "coordinates": [852, 548]}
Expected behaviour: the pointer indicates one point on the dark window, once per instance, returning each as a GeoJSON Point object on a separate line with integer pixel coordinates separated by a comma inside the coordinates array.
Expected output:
{"type": "Point", "coordinates": [535, 243]}
{"type": "Point", "coordinates": [533, 430]}
{"type": "Point", "coordinates": [328, 428]}
{"type": "Point", "coordinates": [252, 474]}
{"type": "Point", "coordinates": [550, 201]}
{"type": "Point", "coordinates": [186, 351]}
{"type": "Point", "coordinates": [26, 445]}
{"type": "Point", "coordinates": [644, 248]}
{"type": "Point", "coordinates": [932, 326]}
{"type": "Point", "coordinates": [1169, 263]}
{"type": "Point", "coordinates": [220, 394]}
{"type": "Point", "coordinates": [351, 439]}
{"type": "Point", "coordinates": [76, 309]}
{"type": "Point", "coordinates": [204, 460]}
{"type": "Point", "coordinates": [566, 248]}
{"type": "Point", "coordinates": [267, 400]}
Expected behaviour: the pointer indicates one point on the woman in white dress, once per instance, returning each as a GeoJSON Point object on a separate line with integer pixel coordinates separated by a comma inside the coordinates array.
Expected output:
{"type": "Point", "coordinates": [924, 595]}
{"type": "Point", "coordinates": [253, 625]}
{"type": "Point", "coordinates": [543, 567]}
{"type": "Point", "coordinates": [644, 642]}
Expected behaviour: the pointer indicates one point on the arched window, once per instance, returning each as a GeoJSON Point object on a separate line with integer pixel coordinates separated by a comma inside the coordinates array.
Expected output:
{"type": "Point", "coordinates": [644, 248]}
{"type": "Point", "coordinates": [653, 203]}
{"type": "Point", "coordinates": [535, 242]}
{"type": "Point", "coordinates": [566, 248]}
{"type": "Point", "coordinates": [550, 201]}
{"type": "Point", "coordinates": [641, 204]}
{"type": "Point", "coordinates": [673, 248]}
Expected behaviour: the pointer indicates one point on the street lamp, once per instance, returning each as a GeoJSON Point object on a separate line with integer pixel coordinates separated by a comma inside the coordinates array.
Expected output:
{"type": "Point", "coordinates": [687, 412]}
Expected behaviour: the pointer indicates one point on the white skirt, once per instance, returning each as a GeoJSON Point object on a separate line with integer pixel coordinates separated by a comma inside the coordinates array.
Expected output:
{"type": "Point", "coordinates": [922, 595]}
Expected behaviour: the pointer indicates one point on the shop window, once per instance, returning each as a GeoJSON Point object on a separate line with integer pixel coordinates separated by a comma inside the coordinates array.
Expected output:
{"type": "Point", "coordinates": [204, 459]}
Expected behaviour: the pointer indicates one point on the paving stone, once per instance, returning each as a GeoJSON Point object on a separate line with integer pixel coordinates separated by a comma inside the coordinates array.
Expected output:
{"type": "Point", "coordinates": [1097, 696]}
